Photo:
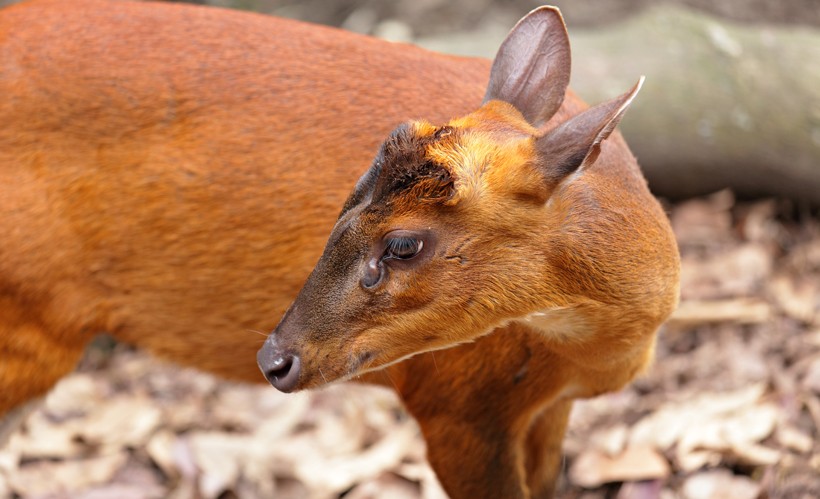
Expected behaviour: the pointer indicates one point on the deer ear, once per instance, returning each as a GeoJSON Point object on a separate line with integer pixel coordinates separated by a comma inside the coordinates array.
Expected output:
{"type": "Point", "coordinates": [531, 69]}
{"type": "Point", "coordinates": [577, 141]}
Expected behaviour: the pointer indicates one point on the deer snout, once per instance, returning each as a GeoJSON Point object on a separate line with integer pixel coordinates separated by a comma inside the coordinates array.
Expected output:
{"type": "Point", "coordinates": [280, 367]}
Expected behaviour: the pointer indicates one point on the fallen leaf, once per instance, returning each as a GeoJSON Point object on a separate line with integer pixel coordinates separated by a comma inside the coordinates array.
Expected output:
{"type": "Point", "coordinates": [422, 472]}
{"type": "Point", "coordinates": [811, 380]}
{"type": "Point", "coordinates": [9, 459]}
{"type": "Point", "coordinates": [737, 272]}
{"type": "Point", "coordinates": [759, 225]}
{"type": "Point", "coordinates": [649, 489]}
{"type": "Point", "coordinates": [44, 439]}
{"type": "Point", "coordinates": [720, 484]}
{"type": "Point", "coordinates": [74, 395]}
{"type": "Point", "coordinates": [799, 299]}
{"type": "Point", "coordinates": [246, 407]}
{"type": "Point", "coordinates": [385, 485]}
{"type": "Point", "coordinates": [611, 441]}
{"type": "Point", "coordinates": [750, 425]}
{"type": "Point", "coordinates": [184, 459]}
{"type": "Point", "coordinates": [756, 455]}
{"type": "Point", "coordinates": [339, 473]}
{"type": "Point", "coordinates": [122, 491]}
{"type": "Point", "coordinates": [593, 468]}
{"type": "Point", "coordinates": [665, 426]}
{"type": "Point", "coordinates": [185, 489]}
{"type": "Point", "coordinates": [284, 419]}
{"type": "Point", "coordinates": [65, 477]}
{"type": "Point", "coordinates": [794, 439]}
{"type": "Point", "coordinates": [735, 432]}
{"type": "Point", "coordinates": [120, 422]}
{"type": "Point", "coordinates": [693, 460]}
{"type": "Point", "coordinates": [161, 450]}
{"type": "Point", "coordinates": [5, 488]}
{"type": "Point", "coordinates": [704, 221]}
{"type": "Point", "coordinates": [219, 457]}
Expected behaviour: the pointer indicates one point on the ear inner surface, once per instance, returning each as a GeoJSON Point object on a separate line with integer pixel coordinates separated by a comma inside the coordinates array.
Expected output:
{"type": "Point", "coordinates": [532, 67]}
{"type": "Point", "coordinates": [577, 141]}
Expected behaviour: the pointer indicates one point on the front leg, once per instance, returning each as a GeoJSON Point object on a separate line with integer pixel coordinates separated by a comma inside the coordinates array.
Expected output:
{"type": "Point", "coordinates": [473, 459]}
{"type": "Point", "coordinates": [543, 449]}
{"type": "Point", "coordinates": [476, 404]}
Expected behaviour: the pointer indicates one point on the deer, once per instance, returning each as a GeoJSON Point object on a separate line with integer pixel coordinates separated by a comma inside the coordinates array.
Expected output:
{"type": "Point", "coordinates": [178, 175]}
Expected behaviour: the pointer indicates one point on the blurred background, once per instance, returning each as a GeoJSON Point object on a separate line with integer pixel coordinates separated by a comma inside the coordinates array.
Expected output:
{"type": "Point", "coordinates": [731, 98]}
{"type": "Point", "coordinates": [727, 129]}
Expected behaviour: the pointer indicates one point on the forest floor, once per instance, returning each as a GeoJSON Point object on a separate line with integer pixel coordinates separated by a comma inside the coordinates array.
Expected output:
{"type": "Point", "coordinates": [731, 407]}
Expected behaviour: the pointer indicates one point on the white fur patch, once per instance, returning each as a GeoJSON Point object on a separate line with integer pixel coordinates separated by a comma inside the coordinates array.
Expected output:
{"type": "Point", "coordinates": [560, 323]}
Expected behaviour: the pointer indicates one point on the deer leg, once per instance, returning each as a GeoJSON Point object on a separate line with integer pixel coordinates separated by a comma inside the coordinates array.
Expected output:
{"type": "Point", "coordinates": [476, 403]}
{"type": "Point", "coordinates": [543, 449]}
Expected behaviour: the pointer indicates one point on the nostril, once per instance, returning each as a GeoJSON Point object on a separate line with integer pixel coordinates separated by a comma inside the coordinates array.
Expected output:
{"type": "Point", "coordinates": [279, 367]}
{"type": "Point", "coordinates": [283, 372]}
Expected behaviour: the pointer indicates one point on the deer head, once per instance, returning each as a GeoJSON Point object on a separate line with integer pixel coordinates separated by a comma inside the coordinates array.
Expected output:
{"type": "Point", "coordinates": [452, 230]}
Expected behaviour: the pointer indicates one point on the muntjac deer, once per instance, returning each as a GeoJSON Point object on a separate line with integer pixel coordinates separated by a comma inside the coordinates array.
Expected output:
{"type": "Point", "coordinates": [169, 174]}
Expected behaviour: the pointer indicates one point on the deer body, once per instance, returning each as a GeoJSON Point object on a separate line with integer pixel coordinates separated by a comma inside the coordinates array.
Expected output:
{"type": "Point", "coordinates": [170, 174]}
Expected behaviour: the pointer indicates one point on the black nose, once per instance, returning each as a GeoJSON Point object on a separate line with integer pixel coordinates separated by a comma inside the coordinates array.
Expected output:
{"type": "Point", "coordinates": [280, 368]}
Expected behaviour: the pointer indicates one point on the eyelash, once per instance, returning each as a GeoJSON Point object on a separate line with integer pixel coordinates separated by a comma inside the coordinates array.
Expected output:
{"type": "Point", "coordinates": [402, 248]}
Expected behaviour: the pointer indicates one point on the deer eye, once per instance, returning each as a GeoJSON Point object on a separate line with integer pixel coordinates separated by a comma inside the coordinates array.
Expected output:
{"type": "Point", "coordinates": [402, 248]}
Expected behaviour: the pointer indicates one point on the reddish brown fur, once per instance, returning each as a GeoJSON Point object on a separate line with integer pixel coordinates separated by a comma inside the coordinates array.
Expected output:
{"type": "Point", "coordinates": [169, 174]}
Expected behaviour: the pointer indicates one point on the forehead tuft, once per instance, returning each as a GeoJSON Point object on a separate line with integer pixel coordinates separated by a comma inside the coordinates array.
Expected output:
{"type": "Point", "coordinates": [405, 166]}
{"type": "Point", "coordinates": [420, 162]}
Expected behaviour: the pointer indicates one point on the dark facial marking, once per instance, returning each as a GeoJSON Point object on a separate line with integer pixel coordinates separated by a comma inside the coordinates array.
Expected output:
{"type": "Point", "coordinates": [364, 186]}
{"type": "Point", "coordinates": [405, 167]}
